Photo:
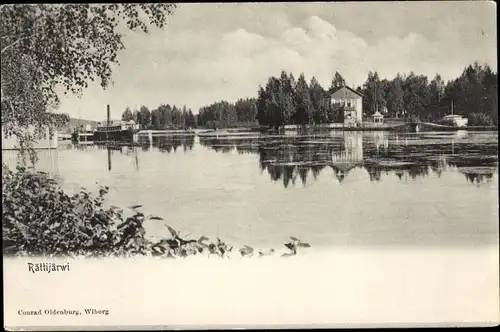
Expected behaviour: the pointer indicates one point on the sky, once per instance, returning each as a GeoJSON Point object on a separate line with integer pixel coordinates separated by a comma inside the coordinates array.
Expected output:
{"type": "Point", "coordinates": [212, 52]}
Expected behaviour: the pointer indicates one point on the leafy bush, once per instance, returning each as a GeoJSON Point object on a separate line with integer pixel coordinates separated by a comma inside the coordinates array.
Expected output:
{"type": "Point", "coordinates": [412, 118]}
{"type": "Point", "coordinates": [40, 219]}
{"type": "Point", "coordinates": [480, 119]}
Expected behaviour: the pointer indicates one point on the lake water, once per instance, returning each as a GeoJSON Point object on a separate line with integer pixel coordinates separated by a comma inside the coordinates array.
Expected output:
{"type": "Point", "coordinates": [342, 189]}
{"type": "Point", "coordinates": [403, 229]}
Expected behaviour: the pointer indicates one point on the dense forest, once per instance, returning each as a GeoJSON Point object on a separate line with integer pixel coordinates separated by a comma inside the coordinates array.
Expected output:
{"type": "Point", "coordinates": [164, 117]}
{"type": "Point", "coordinates": [226, 115]}
{"type": "Point", "coordinates": [284, 100]}
{"type": "Point", "coordinates": [473, 94]}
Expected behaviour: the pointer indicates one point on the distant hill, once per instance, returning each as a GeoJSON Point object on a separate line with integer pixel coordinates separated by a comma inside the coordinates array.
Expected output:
{"type": "Point", "coordinates": [74, 123]}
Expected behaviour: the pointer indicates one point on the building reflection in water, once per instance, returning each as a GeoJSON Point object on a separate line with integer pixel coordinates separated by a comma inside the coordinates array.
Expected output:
{"type": "Point", "coordinates": [304, 157]}
{"type": "Point", "coordinates": [123, 150]}
{"type": "Point", "coordinates": [381, 140]}
{"type": "Point", "coordinates": [287, 158]}
{"type": "Point", "coordinates": [351, 156]}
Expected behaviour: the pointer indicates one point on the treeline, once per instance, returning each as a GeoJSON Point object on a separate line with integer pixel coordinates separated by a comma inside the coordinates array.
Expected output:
{"type": "Point", "coordinates": [164, 117]}
{"type": "Point", "coordinates": [226, 115]}
{"type": "Point", "coordinates": [473, 94]}
{"type": "Point", "coordinates": [284, 100]}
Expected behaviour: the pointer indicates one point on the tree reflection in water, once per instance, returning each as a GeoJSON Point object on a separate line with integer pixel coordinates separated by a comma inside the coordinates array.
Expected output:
{"type": "Point", "coordinates": [167, 143]}
{"type": "Point", "coordinates": [406, 156]}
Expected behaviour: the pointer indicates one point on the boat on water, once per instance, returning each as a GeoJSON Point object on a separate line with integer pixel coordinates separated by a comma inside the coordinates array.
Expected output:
{"type": "Point", "coordinates": [454, 120]}
{"type": "Point", "coordinates": [115, 130]}
{"type": "Point", "coordinates": [109, 131]}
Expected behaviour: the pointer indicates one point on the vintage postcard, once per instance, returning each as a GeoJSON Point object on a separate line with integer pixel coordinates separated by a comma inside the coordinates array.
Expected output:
{"type": "Point", "coordinates": [249, 165]}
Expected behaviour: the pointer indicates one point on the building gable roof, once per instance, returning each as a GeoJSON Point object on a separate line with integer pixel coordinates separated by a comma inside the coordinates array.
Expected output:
{"type": "Point", "coordinates": [348, 88]}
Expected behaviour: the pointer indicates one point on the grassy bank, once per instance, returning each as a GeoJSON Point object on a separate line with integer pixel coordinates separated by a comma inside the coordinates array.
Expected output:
{"type": "Point", "coordinates": [40, 219]}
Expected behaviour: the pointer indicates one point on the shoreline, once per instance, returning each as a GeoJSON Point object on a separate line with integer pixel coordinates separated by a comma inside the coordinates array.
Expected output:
{"type": "Point", "coordinates": [223, 132]}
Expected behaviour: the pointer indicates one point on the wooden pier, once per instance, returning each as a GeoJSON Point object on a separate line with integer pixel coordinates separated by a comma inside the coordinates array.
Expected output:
{"type": "Point", "coordinates": [166, 132]}
{"type": "Point", "coordinates": [427, 127]}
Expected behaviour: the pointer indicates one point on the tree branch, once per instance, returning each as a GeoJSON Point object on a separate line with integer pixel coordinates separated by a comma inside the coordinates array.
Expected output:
{"type": "Point", "coordinates": [11, 45]}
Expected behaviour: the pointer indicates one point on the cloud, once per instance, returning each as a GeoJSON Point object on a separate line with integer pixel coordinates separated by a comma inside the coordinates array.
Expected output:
{"type": "Point", "coordinates": [211, 60]}
{"type": "Point", "coordinates": [241, 42]}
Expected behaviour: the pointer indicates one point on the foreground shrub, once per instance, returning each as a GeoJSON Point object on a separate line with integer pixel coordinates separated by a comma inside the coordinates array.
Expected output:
{"type": "Point", "coordinates": [480, 119]}
{"type": "Point", "coordinates": [40, 219]}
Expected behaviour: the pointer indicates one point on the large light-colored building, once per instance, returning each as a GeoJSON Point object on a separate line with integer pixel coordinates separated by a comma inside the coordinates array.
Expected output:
{"type": "Point", "coordinates": [352, 100]}
{"type": "Point", "coordinates": [46, 142]}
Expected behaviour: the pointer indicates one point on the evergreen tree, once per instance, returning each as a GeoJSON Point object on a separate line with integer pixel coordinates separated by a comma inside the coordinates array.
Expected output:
{"type": "Point", "coordinates": [372, 88]}
{"type": "Point", "coordinates": [304, 108]}
{"type": "Point", "coordinates": [436, 94]}
{"type": "Point", "coordinates": [286, 101]}
{"type": "Point", "coordinates": [395, 101]}
{"type": "Point", "coordinates": [416, 95]}
{"type": "Point", "coordinates": [262, 108]}
{"type": "Point", "coordinates": [136, 117]}
{"type": "Point", "coordinates": [145, 117]}
{"type": "Point", "coordinates": [155, 119]}
{"type": "Point", "coordinates": [317, 96]}
{"type": "Point", "coordinates": [127, 115]}
{"type": "Point", "coordinates": [337, 82]}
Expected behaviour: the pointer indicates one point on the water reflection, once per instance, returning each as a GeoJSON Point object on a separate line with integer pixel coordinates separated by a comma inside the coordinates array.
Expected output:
{"type": "Point", "coordinates": [477, 175]}
{"type": "Point", "coordinates": [127, 150]}
{"type": "Point", "coordinates": [164, 144]}
{"type": "Point", "coordinates": [302, 158]}
{"type": "Point", "coordinates": [46, 161]}
{"type": "Point", "coordinates": [167, 143]}
{"type": "Point", "coordinates": [407, 156]}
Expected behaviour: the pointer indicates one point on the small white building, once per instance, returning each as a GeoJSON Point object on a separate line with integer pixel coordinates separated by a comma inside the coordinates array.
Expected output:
{"type": "Point", "coordinates": [378, 117]}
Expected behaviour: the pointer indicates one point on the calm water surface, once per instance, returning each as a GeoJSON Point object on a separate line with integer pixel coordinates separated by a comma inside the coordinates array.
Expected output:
{"type": "Point", "coordinates": [344, 189]}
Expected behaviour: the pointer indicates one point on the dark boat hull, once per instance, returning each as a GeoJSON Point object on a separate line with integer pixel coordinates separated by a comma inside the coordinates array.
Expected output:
{"type": "Point", "coordinates": [101, 137]}
{"type": "Point", "coordinates": [79, 137]}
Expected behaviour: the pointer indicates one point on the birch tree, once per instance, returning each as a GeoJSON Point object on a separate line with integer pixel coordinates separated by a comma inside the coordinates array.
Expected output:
{"type": "Point", "coordinates": [49, 46]}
